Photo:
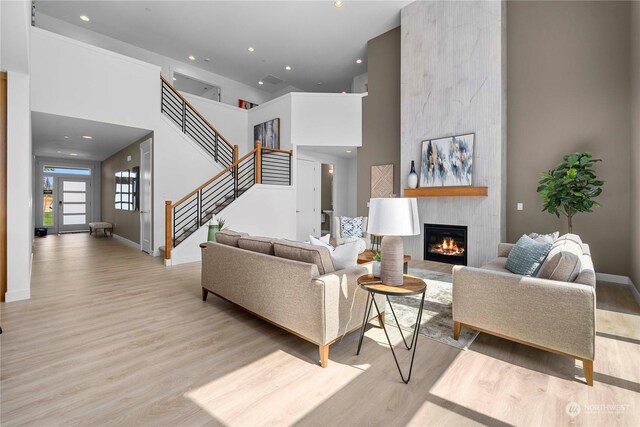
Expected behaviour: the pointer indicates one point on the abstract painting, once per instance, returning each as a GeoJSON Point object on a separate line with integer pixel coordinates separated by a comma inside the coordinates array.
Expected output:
{"type": "Point", "coordinates": [382, 181]}
{"type": "Point", "coordinates": [447, 162]}
{"type": "Point", "coordinates": [268, 133]}
{"type": "Point", "coordinates": [246, 105]}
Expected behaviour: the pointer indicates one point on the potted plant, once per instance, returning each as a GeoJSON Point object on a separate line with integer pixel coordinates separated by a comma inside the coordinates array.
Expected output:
{"type": "Point", "coordinates": [215, 225]}
{"type": "Point", "coordinates": [570, 187]}
{"type": "Point", "coordinates": [376, 264]}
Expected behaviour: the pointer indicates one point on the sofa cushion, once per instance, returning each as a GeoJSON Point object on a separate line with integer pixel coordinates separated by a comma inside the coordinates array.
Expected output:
{"type": "Point", "coordinates": [526, 256]}
{"type": "Point", "coordinates": [563, 261]}
{"type": "Point", "coordinates": [305, 252]}
{"type": "Point", "coordinates": [263, 245]}
{"type": "Point", "coordinates": [498, 264]}
{"type": "Point", "coordinates": [229, 237]}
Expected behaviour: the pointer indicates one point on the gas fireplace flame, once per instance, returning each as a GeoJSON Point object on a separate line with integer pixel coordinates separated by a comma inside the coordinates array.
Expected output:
{"type": "Point", "coordinates": [447, 246]}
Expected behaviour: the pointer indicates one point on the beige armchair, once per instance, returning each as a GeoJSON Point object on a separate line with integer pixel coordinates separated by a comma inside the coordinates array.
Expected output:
{"type": "Point", "coordinates": [553, 315]}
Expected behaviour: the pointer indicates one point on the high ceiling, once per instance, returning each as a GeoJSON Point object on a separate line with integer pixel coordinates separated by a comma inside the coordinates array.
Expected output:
{"type": "Point", "coordinates": [319, 41]}
{"type": "Point", "coordinates": [62, 137]}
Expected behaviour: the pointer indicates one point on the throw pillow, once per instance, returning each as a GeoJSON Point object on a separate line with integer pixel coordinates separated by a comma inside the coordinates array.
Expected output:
{"type": "Point", "coordinates": [359, 241]}
{"type": "Point", "coordinates": [345, 256]}
{"type": "Point", "coordinates": [350, 227]}
{"type": "Point", "coordinates": [527, 255]}
{"type": "Point", "coordinates": [545, 238]}
{"type": "Point", "coordinates": [322, 241]}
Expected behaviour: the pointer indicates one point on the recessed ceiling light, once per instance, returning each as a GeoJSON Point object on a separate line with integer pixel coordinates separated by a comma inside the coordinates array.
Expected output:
{"type": "Point", "coordinates": [73, 154]}
{"type": "Point", "coordinates": [207, 59]}
{"type": "Point", "coordinates": [66, 137]}
{"type": "Point", "coordinates": [174, 79]}
{"type": "Point", "coordinates": [358, 61]}
{"type": "Point", "coordinates": [87, 137]}
{"type": "Point", "coordinates": [261, 82]}
{"type": "Point", "coordinates": [191, 57]}
{"type": "Point", "coordinates": [319, 83]}
{"type": "Point", "coordinates": [85, 18]}
{"type": "Point", "coordinates": [338, 4]}
{"type": "Point", "coordinates": [250, 49]}
{"type": "Point", "coordinates": [288, 68]}
{"type": "Point", "coordinates": [344, 91]}
{"type": "Point", "coordinates": [348, 151]}
{"type": "Point", "coordinates": [58, 152]}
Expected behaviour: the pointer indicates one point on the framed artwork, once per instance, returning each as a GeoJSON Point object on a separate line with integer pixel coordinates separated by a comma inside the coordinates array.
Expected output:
{"type": "Point", "coordinates": [447, 162]}
{"type": "Point", "coordinates": [382, 181]}
{"type": "Point", "coordinates": [268, 133]}
{"type": "Point", "coordinates": [246, 105]}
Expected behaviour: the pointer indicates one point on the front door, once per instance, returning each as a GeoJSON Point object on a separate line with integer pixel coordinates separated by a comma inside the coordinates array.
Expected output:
{"type": "Point", "coordinates": [74, 204]}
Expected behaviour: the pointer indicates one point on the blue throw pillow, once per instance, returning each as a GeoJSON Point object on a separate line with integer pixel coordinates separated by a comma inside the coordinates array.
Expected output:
{"type": "Point", "coordinates": [350, 227]}
{"type": "Point", "coordinates": [527, 255]}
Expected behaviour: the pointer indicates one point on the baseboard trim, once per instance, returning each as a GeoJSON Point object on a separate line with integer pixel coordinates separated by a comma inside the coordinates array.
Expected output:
{"type": "Point", "coordinates": [19, 295]}
{"type": "Point", "coordinates": [620, 280]}
{"type": "Point", "coordinates": [127, 242]}
{"type": "Point", "coordinates": [178, 261]}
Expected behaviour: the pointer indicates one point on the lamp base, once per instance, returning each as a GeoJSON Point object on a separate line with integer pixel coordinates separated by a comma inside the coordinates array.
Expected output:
{"type": "Point", "coordinates": [391, 262]}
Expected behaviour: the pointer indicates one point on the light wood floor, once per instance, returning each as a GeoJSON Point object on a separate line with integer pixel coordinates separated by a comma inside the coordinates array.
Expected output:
{"type": "Point", "coordinates": [113, 337]}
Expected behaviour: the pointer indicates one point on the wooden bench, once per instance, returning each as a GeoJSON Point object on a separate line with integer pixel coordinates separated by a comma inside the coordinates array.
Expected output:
{"type": "Point", "coordinates": [104, 226]}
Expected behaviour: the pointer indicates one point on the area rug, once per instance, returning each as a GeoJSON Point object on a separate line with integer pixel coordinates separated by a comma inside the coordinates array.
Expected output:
{"type": "Point", "coordinates": [437, 319]}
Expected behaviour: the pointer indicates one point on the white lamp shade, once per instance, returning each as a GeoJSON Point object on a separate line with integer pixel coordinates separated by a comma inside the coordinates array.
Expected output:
{"type": "Point", "coordinates": [394, 217]}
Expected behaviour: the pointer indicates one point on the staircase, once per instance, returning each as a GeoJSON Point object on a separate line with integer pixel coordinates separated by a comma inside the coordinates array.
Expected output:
{"type": "Point", "coordinates": [259, 166]}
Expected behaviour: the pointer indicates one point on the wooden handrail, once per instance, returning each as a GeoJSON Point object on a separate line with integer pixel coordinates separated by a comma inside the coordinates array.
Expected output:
{"type": "Point", "coordinates": [290, 152]}
{"type": "Point", "coordinates": [196, 111]}
{"type": "Point", "coordinates": [227, 169]}
{"type": "Point", "coordinates": [167, 230]}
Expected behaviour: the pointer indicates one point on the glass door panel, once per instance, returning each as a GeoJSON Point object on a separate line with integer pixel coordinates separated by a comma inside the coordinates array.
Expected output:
{"type": "Point", "coordinates": [47, 202]}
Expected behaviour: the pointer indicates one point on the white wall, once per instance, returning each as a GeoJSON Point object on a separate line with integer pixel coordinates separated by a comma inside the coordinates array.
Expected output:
{"type": "Point", "coordinates": [231, 122]}
{"type": "Point", "coordinates": [277, 108]}
{"type": "Point", "coordinates": [231, 89]}
{"type": "Point", "coordinates": [359, 83]}
{"type": "Point", "coordinates": [19, 188]}
{"type": "Point", "coordinates": [15, 22]}
{"type": "Point", "coordinates": [352, 194]}
{"type": "Point", "coordinates": [326, 119]}
{"type": "Point", "coordinates": [264, 210]}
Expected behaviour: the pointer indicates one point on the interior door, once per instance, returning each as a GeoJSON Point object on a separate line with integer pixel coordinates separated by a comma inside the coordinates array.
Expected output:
{"type": "Point", "coordinates": [145, 197]}
{"type": "Point", "coordinates": [307, 217]}
{"type": "Point", "coordinates": [74, 204]}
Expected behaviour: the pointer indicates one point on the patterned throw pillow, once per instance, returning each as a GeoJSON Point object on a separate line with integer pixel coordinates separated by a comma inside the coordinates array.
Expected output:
{"type": "Point", "coordinates": [527, 255]}
{"type": "Point", "coordinates": [545, 238]}
{"type": "Point", "coordinates": [350, 227]}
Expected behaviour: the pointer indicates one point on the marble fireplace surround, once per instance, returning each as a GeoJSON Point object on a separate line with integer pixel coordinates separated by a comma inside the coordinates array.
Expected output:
{"type": "Point", "coordinates": [453, 81]}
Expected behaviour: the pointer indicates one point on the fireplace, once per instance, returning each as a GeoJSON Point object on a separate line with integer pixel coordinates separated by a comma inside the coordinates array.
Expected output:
{"type": "Point", "coordinates": [445, 243]}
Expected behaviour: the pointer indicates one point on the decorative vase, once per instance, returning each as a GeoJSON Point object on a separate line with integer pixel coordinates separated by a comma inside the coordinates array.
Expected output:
{"type": "Point", "coordinates": [213, 230]}
{"type": "Point", "coordinates": [412, 179]}
{"type": "Point", "coordinates": [376, 268]}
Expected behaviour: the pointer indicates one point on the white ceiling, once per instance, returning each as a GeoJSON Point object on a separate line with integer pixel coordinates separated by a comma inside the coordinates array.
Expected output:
{"type": "Point", "coordinates": [338, 151]}
{"type": "Point", "coordinates": [49, 131]}
{"type": "Point", "coordinates": [319, 41]}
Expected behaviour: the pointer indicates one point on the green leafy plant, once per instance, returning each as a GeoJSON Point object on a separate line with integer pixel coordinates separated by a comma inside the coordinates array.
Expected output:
{"type": "Point", "coordinates": [377, 256]}
{"type": "Point", "coordinates": [220, 224]}
{"type": "Point", "coordinates": [570, 187]}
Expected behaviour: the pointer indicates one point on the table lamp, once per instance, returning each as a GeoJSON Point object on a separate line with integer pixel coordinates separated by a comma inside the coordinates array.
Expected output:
{"type": "Point", "coordinates": [392, 218]}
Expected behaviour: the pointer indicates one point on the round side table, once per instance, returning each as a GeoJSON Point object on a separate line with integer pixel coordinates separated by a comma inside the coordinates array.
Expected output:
{"type": "Point", "coordinates": [412, 286]}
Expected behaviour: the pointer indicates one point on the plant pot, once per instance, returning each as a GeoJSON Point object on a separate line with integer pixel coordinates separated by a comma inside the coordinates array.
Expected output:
{"type": "Point", "coordinates": [376, 268]}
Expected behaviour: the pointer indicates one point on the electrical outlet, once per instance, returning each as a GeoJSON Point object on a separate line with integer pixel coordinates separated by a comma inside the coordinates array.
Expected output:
{"type": "Point", "coordinates": [128, 158]}
{"type": "Point", "coordinates": [520, 206]}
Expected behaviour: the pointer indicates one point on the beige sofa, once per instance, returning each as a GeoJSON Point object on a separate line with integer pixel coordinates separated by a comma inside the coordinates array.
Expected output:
{"type": "Point", "coordinates": [555, 311]}
{"type": "Point", "coordinates": [289, 284]}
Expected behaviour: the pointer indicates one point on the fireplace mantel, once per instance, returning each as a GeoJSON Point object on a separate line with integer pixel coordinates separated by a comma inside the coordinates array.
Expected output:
{"type": "Point", "coordinates": [462, 191]}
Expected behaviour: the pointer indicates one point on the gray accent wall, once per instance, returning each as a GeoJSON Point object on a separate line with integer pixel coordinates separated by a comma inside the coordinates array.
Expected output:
{"type": "Point", "coordinates": [380, 115]}
{"type": "Point", "coordinates": [453, 82]}
{"type": "Point", "coordinates": [125, 223]}
{"type": "Point", "coordinates": [569, 90]}
{"type": "Point", "coordinates": [635, 144]}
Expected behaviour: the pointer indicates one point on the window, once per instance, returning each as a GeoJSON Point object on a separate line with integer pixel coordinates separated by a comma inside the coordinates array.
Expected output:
{"type": "Point", "coordinates": [66, 170]}
{"type": "Point", "coordinates": [47, 201]}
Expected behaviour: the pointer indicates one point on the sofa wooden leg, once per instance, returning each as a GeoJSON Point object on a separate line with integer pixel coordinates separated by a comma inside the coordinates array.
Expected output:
{"type": "Point", "coordinates": [456, 330]}
{"type": "Point", "coordinates": [381, 319]}
{"type": "Point", "coordinates": [324, 355]}
{"type": "Point", "coordinates": [587, 366]}
{"type": "Point", "coordinates": [205, 292]}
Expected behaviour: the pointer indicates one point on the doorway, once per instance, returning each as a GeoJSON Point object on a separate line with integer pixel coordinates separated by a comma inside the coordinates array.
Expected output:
{"type": "Point", "coordinates": [326, 199]}
{"type": "Point", "coordinates": [307, 200]}
{"type": "Point", "coordinates": [73, 202]}
{"type": "Point", "coordinates": [146, 203]}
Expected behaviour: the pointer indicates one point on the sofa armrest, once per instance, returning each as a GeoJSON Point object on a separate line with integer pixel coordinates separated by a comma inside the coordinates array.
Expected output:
{"type": "Point", "coordinates": [504, 249]}
{"type": "Point", "coordinates": [548, 313]}
{"type": "Point", "coordinates": [344, 301]}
